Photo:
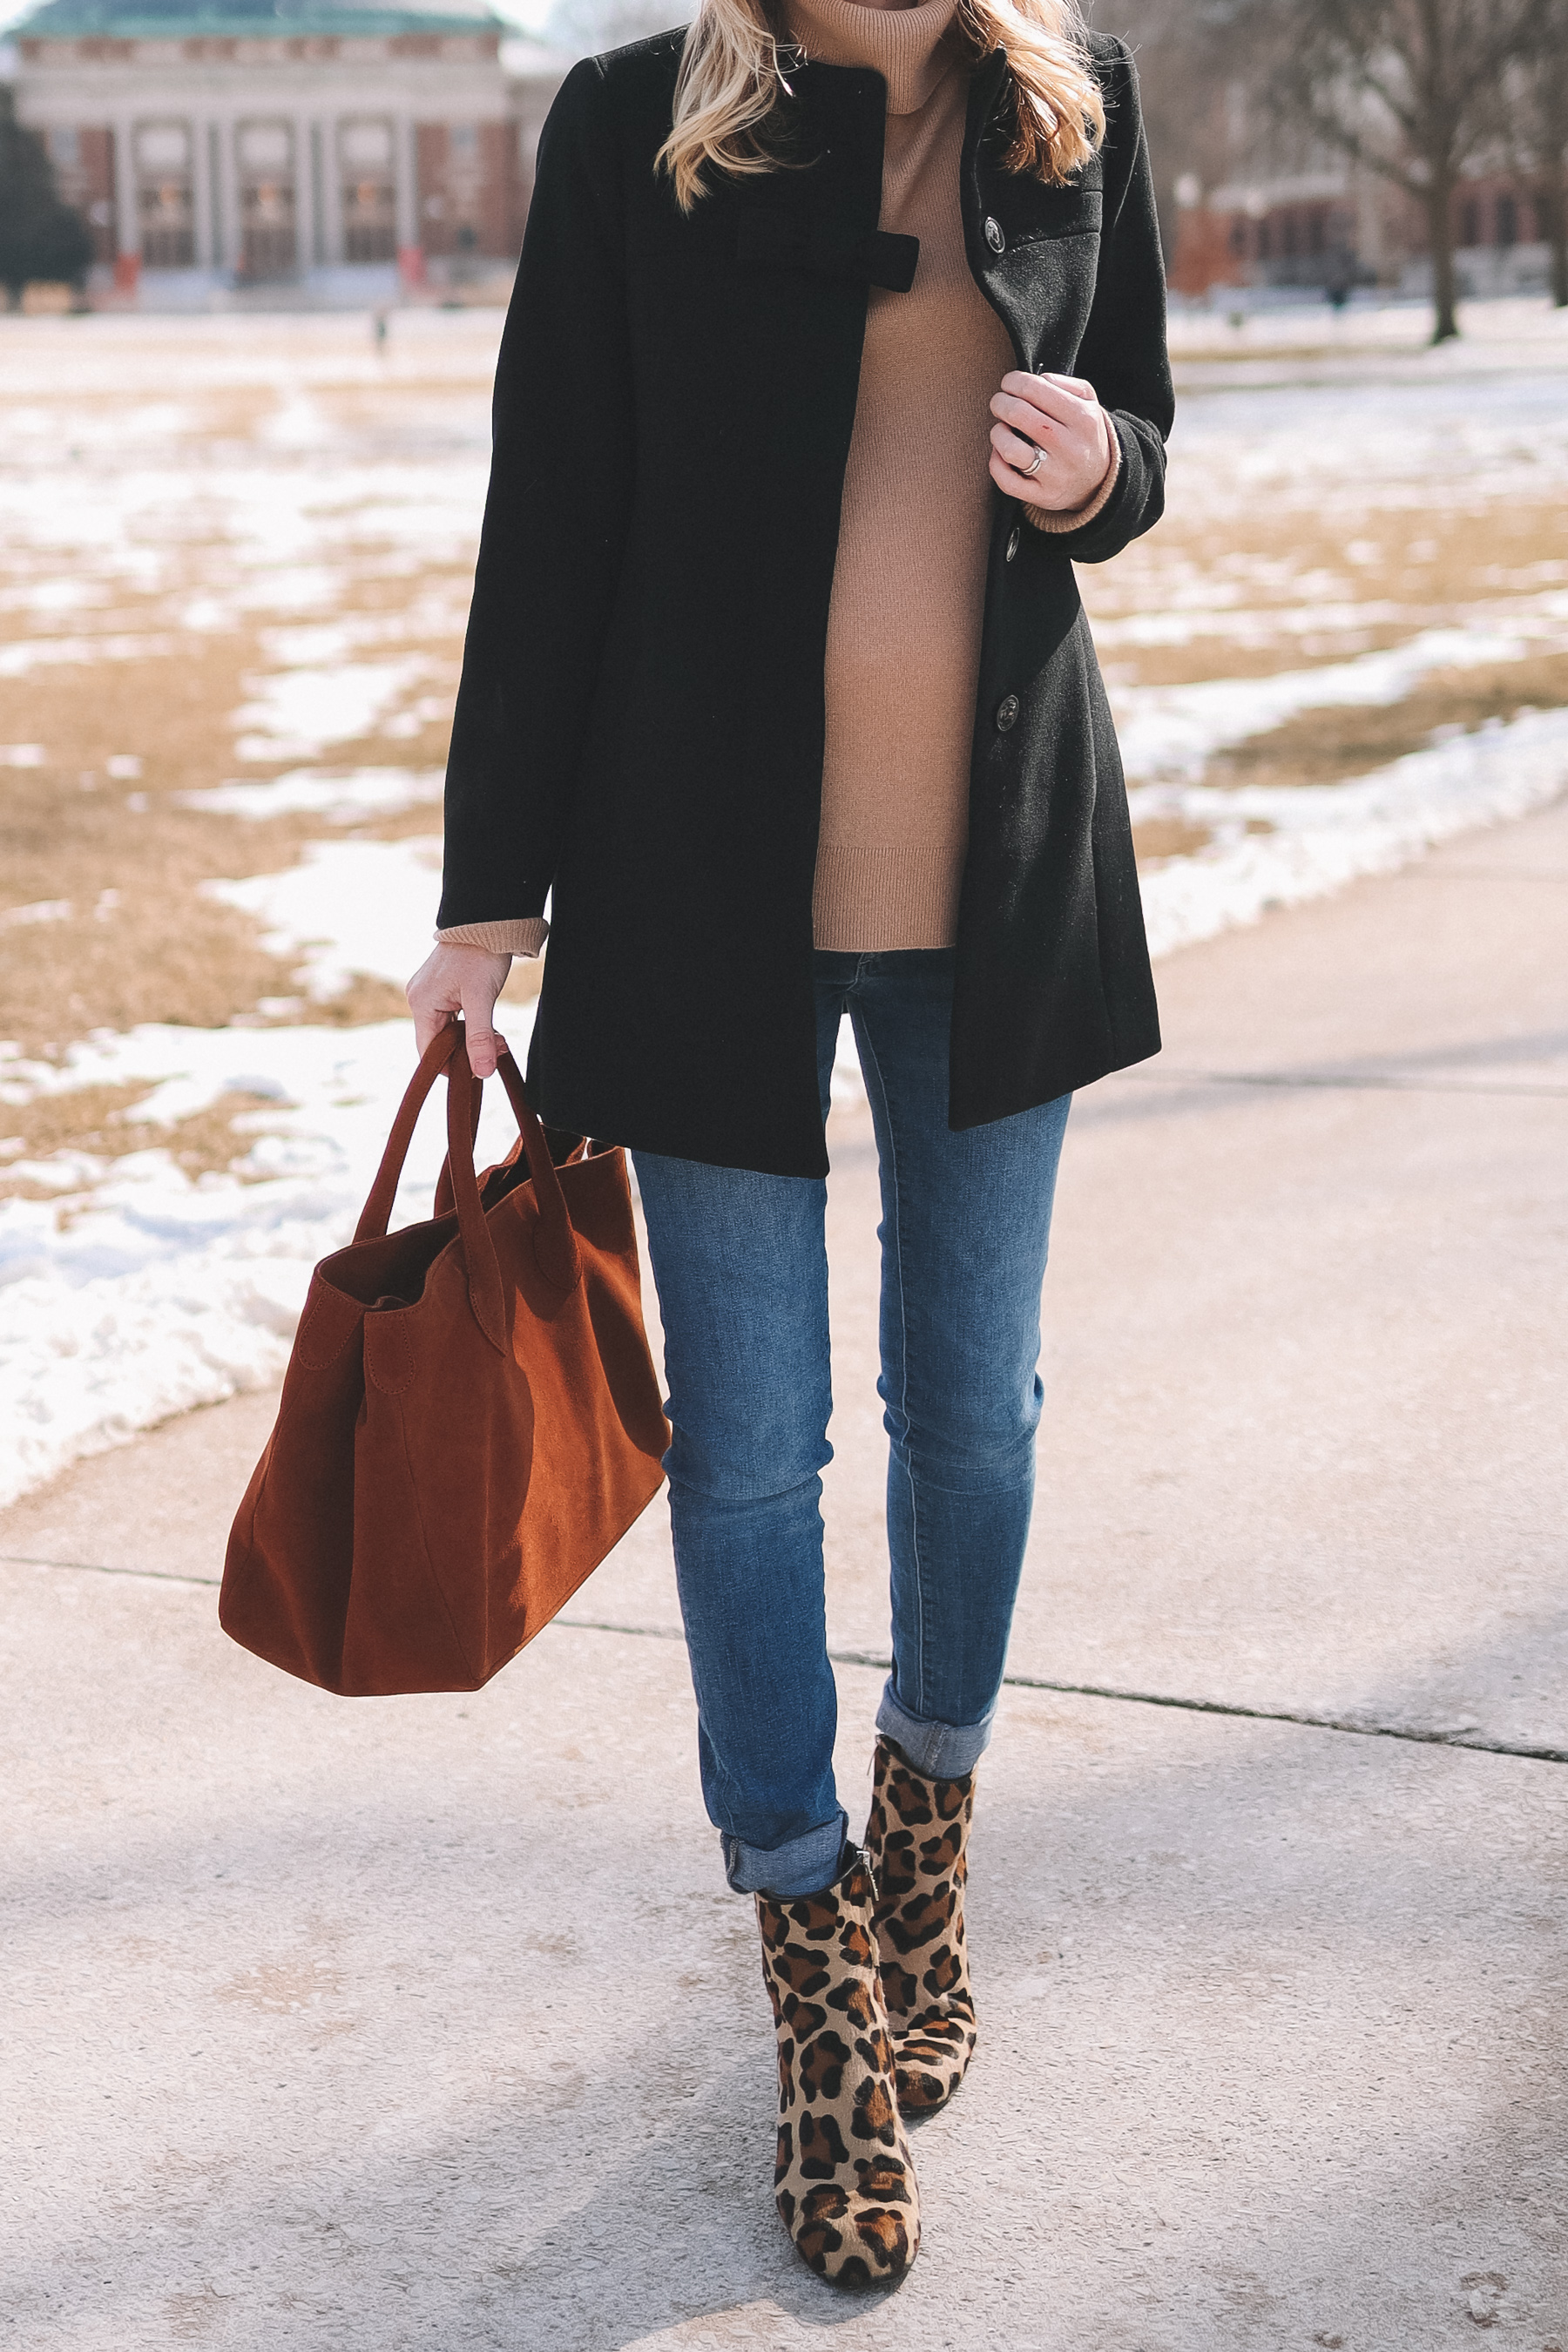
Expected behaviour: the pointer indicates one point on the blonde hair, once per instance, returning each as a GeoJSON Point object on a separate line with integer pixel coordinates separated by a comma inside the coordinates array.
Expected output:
{"type": "Point", "coordinates": [737, 60]}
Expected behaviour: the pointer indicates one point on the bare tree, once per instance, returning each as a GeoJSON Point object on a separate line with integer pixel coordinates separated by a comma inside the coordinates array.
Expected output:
{"type": "Point", "coordinates": [1410, 89]}
{"type": "Point", "coordinates": [1542, 132]}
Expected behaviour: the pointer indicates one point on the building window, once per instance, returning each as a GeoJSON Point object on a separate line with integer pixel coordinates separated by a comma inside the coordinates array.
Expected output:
{"type": "Point", "coordinates": [1238, 238]}
{"type": "Point", "coordinates": [65, 149]}
{"type": "Point", "coordinates": [369, 192]}
{"type": "Point", "coordinates": [164, 206]}
{"type": "Point", "coordinates": [1470, 222]}
{"type": "Point", "coordinates": [268, 240]}
{"type": "Point", "coordinates": [1290, 236]}
{"type": "Point", "coordinates": [1264, 240]}
{"type": "Point", "coordinates": [1316, 239]}
{"type": "Point", "coordinates": [1507, 223]}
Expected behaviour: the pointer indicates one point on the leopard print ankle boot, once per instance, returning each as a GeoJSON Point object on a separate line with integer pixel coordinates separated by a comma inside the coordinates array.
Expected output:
{"type": "Point", "coordinates": [844, 2181]}
{"type": "Point", "coordinates": [916, 1845]}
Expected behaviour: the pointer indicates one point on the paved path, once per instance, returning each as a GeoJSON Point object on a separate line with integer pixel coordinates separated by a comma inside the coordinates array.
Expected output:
{"type": "Point", "coordinates": [429, 2022]}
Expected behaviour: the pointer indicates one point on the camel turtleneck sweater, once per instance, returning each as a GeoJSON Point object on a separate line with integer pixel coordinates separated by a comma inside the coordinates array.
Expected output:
{"type": "Point", "coordinates": [908, 585]}
{"type": "Point", "coordinates": [908, 588]}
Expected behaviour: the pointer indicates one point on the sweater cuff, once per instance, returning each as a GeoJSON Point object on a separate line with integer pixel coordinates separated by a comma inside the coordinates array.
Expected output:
{"type": "Point", "coordinates": [523, 937]}
{"type": "Point", "coordinates": [1075, 519]}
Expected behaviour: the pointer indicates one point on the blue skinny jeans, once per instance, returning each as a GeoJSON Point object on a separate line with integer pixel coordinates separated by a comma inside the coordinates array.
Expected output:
{"type": "Point", "coordinates": [740, 1264]}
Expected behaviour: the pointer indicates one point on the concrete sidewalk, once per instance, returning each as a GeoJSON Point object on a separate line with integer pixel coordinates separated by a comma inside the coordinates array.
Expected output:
{"type": "Point", "coordinates": [429, 2021]}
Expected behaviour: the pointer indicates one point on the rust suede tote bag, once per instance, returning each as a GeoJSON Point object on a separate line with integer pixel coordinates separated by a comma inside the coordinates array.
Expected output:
{"type": "Point", "coordinates": [469, 1420]}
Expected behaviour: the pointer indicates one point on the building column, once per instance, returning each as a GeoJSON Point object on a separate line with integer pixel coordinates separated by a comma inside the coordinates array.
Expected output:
{"type": "Point", "coordinates": [319, 139]}
{"type": "Point", "coordinates": [201, 194]}
{"type": "Point", "coordinates": [406, 156]}
{"type": "Point", "coordinates": [226, 181]}
{"type": "Point", "coordinates": [127, 219]}
{"type": "Point", "coordinates": [219, 213]}
{"type": "Point", "coordinates": [331, 195]}
{"type": "Point", "coordinates": [304, 195]}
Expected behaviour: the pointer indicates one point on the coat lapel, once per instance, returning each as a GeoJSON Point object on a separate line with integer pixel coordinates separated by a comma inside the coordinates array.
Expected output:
{"type": "Point", "coordinates": [1034, 250]}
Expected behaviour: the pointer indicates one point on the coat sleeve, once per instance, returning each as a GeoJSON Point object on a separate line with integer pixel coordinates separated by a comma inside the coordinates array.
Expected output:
{"type": "Point", "coordinates": [1124, 351]}
{"type": "Point", "coordinates": [554, 525]}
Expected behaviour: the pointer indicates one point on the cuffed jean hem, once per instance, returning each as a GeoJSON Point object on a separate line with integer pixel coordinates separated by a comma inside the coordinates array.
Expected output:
{"type": "Point", "coordinates": [942, 1751]}
{"type": "Point", "coordinates": [803, 1866]}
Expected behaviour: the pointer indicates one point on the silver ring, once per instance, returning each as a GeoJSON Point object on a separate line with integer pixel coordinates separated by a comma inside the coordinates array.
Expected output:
{"type": "Point", "coordinates": [1030, 471]}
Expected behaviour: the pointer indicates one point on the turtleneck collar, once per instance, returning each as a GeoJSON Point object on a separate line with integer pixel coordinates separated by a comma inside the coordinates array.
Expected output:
{"type": "Point", "coordinates": [905, 46]}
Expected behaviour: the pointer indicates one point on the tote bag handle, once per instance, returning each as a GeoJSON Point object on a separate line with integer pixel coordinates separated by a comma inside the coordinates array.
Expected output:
{"type": "Point", "coordinates": [555, 1245]}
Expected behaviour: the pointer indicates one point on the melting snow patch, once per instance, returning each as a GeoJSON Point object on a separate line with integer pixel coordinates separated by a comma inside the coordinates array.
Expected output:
{"type": "Point", "coordinates": [42, 910]}
{"type": "Point", "coordinates": [152, 1294]}
{"type": "Point", "coordinates": [1174, 730]}
{"type": "Point", "coordinates": [298, 713]}
{"type": "Point", "coordinates": [1323, 835]}
{"type": "Point", "coordinates": [350, 905]}
{"type": "Point", "coordinates": [40, 653]}
{"type": "Point", "coordinates": [305, 792]}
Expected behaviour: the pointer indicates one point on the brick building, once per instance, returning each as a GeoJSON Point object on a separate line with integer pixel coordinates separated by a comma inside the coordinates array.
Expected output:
{"type": "Point", "coordinates": [241, 141]}
{"type": "Point", "coordinates": [1318, 228]}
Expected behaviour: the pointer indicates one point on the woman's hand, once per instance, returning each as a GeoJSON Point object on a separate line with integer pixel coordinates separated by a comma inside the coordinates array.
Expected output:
{"type": "Point", "coordinates": [1057, 419]}
{"type": "Point", "coordinates": [456, 980]}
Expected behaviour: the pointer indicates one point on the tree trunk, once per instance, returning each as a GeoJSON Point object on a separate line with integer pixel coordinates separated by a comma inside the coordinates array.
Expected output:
{"type": "Point", "coordinates": [1440, 238]}
{"type": "Point", "coordinates": [1555, 199]}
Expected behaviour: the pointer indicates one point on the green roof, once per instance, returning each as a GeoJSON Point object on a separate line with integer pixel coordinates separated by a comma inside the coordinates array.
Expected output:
{"type": "Point", "coordinates": [281, 20]}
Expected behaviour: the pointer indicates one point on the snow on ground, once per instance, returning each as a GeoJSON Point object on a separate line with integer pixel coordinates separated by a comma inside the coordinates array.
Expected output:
{"type": "Point", "coordinates": [345, 799]}
{"type": "Point", "coordinates": [1174, 730]}
{"type": "Point", "coordinates": [298, 713]}
{"type": "Point", "coordinates": [147, 1294]}
{"type": "Point", "coordinates": [129, 1291]}
{"type": "Point", "coordinates": [1321, 836]}
{"type": "Point", "coordinates": [348, 906]}
{"type": "Point", "coordinates": [1437, 433]}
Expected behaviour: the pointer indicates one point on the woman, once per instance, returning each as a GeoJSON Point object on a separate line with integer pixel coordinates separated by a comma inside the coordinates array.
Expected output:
{"type": "Point", "coordinates": [778, 684]}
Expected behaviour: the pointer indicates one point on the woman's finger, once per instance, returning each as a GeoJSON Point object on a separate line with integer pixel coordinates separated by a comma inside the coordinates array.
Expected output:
{"type": "Point", "coordinates": [429, 1025]}
{"type": "Point", "coordinates": [1014, 450]}
{"type": "Point", "coordinates": [1048, 393]}
{"type": "Point", "coordinates": [1073, 387]}
{"type": "Point", "coordinates": [1024, 416]}
{"type": "Point", "coordinates": [465, 980]}
{"type": "Point", "coordinates": [485, 1045]}
{"type": "Point", "coordinates": [1051, 490]}
{"type": "Point", "coordinates": [1073, 383]}
{"type": "Point", "coordinates": [432, 1000]}
{"type": "Point", "coordinates": [1029, 492]}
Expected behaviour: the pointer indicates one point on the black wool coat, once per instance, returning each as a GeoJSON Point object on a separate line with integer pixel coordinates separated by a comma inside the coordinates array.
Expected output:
{"type": "Point", "coordinates": [639, 727]}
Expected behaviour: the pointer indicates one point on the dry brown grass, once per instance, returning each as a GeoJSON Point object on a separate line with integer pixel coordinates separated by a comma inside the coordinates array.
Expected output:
{"type": "Point", "coordinates": [1160, 837]}
{"type": "Point", "coordinates": [1326, 747]}
{"type": "Point", "coordinates": [101, 1120]}
{"type": "Point", "coordinates": [142, 942]}
{"type": "Point", "coordinates": [1431, 566]}
{"type": "Point", "coordinates": [1211, 657]}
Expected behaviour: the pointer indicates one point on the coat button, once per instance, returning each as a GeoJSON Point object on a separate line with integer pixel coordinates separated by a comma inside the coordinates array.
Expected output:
{"type": "Point", "coordinates": [1014, 541]}
{"type": "Point", "coordinates": [993, 236]}
{"type": "Point", "coordinates": [1006, 713]}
